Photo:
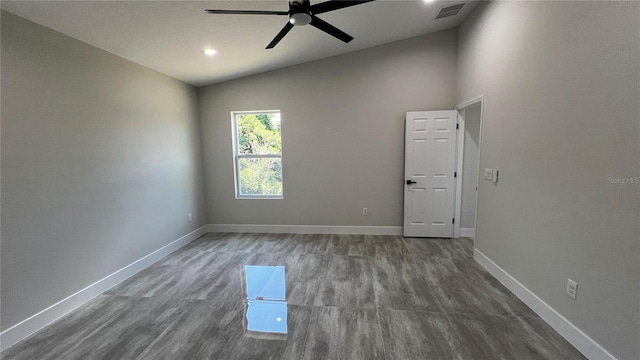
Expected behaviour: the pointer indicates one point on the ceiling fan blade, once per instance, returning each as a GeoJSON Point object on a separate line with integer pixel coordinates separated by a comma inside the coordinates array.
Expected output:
{"type": "Point", "coordinates": [288, 26]}
{"type": "Point", "coordinates": [334, 5]}
{"type": "Point", "coordinates": [246, 12]}
{"type": "Point", "coordinates": [330, 29]}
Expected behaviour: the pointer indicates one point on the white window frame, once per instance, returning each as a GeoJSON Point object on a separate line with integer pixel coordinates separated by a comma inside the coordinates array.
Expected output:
{"type": "Point", "coordinates": [237, 156]}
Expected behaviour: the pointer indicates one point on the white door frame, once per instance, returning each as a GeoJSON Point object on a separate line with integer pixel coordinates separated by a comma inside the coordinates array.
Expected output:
{"type": "Point", "coordinates": [460, 156]}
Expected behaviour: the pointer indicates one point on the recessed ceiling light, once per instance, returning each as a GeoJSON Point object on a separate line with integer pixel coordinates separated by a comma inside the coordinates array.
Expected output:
{"type": "Point", "coordinates": [428, 1]}
{"type": "Point", "coordinates": [209, 52]}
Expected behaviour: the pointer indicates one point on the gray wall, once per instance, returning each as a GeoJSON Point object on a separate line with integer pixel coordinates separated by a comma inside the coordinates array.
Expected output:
{"type": "Point", "coordinates": [470, 166]}
{"type": "Point", "coordinates": [101, 162]}
{"type": "Point", "coordinates": [342, 128]}
{"type": "Point", "coordinates": [561, 84]}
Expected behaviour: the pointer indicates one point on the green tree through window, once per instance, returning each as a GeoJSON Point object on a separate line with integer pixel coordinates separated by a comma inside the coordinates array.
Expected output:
{"type": "Point", "coordinates": [258, 154]}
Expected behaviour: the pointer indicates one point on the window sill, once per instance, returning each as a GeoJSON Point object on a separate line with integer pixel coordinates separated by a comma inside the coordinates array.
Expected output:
{"type": "Point", "coordinates": [260, 197]}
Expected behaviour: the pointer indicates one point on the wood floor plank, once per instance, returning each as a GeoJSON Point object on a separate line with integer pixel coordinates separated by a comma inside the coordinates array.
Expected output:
{"type": "Point", "coordinates": [346, 282]}
{"type": "Point", "coordinates": [302, 277]}
{"type": "Point", "coordinates": [163, 277]}
{"type": "Point", "coordinates": [128, 333]}
{"type": "Point", "coordinates": [464, 289]}
{"type": "Point", "coordinates": [505, 337]}
{"type": "Point", "coordinates": [410, 335]}
{"type": "Point", "coordinates": [383, 247]}
{"type": "Point", "coordinates": [52, 341]}
{"type": "Point", "coordinates": [209, 242]}
{"type": "Point", "coordinates": [462, 248]}
{"type": "Point", "coordinates": [344, 333]}
{"type": "Point", "coordinates": [400, 284]}
{"type": "Point", "coordinates": [422, 248]}
{"type": "Point", "coordinates": [202, 331]}
{"type": "Point", "coordinates": [219, 279]}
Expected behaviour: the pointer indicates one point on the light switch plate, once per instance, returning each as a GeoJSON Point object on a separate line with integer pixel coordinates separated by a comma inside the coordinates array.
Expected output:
{"type": "Point", "coordinates": [488, 174]}
{"type": "Point", "coordinates": [572, 289]}
{"type": "Point", "coordinates": [495, 175]}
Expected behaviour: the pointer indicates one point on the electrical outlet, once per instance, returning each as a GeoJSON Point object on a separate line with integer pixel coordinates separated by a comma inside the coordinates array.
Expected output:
{"type": "Point", "coordinates": [365, 211]}
{"type": "Point", "coordinates": [190, 217]}
{"type": "Point", "coordinates": [572, 289]}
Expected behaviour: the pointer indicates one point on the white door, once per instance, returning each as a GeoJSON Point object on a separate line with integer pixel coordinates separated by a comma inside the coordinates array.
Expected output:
{"type": "Point", "coordinates": [429, 165]}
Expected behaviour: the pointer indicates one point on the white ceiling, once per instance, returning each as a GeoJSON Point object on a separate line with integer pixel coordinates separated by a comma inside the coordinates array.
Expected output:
{"type": "Point", "coordinates": [169, 36]}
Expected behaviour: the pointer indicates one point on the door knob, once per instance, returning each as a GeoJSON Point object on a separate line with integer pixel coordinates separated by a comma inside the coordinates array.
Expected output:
{"type": "Point", "coordinates": [409, 182]}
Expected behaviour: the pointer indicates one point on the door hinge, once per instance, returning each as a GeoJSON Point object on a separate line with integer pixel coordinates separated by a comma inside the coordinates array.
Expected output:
{"type": "Point", "coordinates": [455, 174]}
{"type": "Point", "coordinates": [457, 126]}
{"type": "Point", "coordinates": [453, 221]}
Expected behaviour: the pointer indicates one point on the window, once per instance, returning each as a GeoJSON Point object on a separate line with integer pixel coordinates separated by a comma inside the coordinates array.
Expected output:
{"type": "Point", "coordinates": [257, 151]}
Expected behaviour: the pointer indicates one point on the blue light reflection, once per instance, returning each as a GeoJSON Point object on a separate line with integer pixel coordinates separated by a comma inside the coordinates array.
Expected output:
{"type": "Point", "coordinates": [266, 310]}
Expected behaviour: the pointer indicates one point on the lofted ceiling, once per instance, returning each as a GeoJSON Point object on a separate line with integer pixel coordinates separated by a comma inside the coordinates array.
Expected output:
{"type": "Point", "coordinates": [169, 36]}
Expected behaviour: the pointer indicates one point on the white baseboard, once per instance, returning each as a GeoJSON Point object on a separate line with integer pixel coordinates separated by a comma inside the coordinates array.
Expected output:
{"type": "Point", "coordinates": [25, 328]}
{"type": "Point", "coordinates": [581, 341]}
{"type": "Point", "coordinates": [306, 229]}
{"type": "Point", "coordinates": [468, 232]}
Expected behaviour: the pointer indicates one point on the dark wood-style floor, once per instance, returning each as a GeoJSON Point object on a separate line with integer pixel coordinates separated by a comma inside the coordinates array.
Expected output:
{"type": "Point", "coordinates": [349, 297]}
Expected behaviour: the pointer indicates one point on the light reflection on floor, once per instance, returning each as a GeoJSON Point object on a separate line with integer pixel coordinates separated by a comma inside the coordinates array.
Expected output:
{"type": "Point", "coordinates": [265, 294]}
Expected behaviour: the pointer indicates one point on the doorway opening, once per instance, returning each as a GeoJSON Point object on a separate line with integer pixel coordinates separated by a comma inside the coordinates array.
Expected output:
{"type": "Point", "coordinates": [468, 165]}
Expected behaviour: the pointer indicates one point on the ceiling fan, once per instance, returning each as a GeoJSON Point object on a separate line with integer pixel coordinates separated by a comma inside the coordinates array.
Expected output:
{"type": "Point", "coordinates": [301, 12]}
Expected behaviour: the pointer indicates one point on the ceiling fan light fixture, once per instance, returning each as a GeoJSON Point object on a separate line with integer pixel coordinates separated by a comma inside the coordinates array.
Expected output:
{"type": "Point", "coordinates": [300, 19]}
{"type": "Point", "coordinates": [209, 52]}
